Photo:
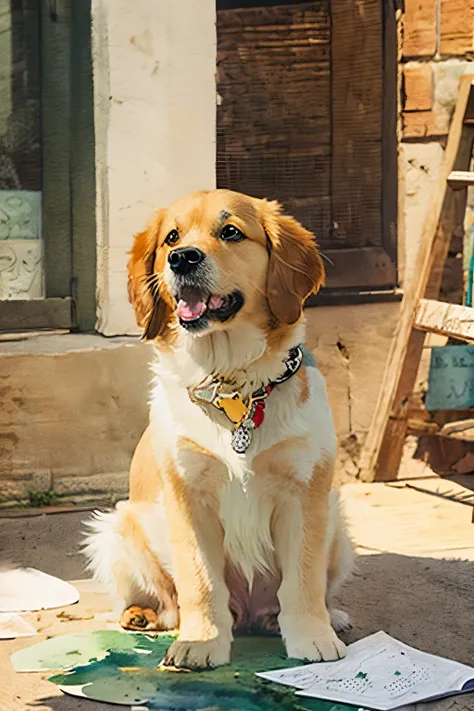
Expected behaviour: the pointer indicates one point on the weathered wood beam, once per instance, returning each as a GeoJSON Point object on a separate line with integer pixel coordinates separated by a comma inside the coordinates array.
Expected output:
{"type": "Point", "coordinates": [450, 320]}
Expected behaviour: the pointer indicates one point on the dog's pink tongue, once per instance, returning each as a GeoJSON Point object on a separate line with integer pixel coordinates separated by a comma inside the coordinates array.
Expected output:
{"type": "Point", "coordinates": [189, 312]}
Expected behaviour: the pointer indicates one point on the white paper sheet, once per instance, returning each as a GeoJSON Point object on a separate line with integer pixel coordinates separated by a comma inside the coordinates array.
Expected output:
{"type": "Point", "coordinates": [13, 625]}
{"type": "Point", "coordinates": [28, 589]}
{"type": "Point", "coordinates": [380, 673]}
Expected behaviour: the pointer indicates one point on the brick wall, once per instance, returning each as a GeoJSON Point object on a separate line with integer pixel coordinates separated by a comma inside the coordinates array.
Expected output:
{"type": "Point", "coordinates": [437, 48]}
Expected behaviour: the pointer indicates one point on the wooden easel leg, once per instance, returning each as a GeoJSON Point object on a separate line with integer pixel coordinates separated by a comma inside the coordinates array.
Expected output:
{"type": "Point", "coordinates": [393, 441]}
{"type": "Point", "coordinates": [383, 449]}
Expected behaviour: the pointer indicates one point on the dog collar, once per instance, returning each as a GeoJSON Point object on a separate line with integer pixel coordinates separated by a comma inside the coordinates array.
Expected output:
{"type": "Point", "coordinates": [246, 414]}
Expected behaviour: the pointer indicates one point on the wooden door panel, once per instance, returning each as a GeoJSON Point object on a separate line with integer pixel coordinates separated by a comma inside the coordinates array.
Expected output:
{"type": "Point", "coordinates": [300, 119]}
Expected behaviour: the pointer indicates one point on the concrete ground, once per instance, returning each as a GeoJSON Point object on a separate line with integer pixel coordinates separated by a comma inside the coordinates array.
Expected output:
{"type": "Point", "coordinates": [415, 580]}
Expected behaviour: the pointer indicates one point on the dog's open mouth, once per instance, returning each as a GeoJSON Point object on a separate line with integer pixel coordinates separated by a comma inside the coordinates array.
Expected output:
{"type": "Point", "coordinates": [195, 311]}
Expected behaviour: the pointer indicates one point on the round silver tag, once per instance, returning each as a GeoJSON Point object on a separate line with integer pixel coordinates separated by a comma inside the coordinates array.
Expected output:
{"type": "Point", "coordinates": [241, 439]}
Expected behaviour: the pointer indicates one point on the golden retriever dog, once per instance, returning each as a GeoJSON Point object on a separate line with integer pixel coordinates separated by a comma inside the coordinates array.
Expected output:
{"type": "Point", "coordinates": [231, 524]}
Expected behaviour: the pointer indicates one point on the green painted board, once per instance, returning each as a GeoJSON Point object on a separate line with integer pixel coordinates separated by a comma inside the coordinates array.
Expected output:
{"type": "Point", "coordinates": [451, 378]}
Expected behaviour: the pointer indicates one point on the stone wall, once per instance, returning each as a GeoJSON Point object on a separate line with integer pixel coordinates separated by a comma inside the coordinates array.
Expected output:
{"type": "Point", "coordinates": [437, 48]}
{"type": "Point", "coordinates": [350, 345]}
{"type": "Point", "coordinates": [75, 405]}
{"type": "Point", "coordinates": [73, 409]}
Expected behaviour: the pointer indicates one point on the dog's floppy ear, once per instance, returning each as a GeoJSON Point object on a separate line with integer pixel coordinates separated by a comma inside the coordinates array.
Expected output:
{"type": "Point", "coordinates": [296, 269]}
{"type": "Point", "coordinates": [145, 290]}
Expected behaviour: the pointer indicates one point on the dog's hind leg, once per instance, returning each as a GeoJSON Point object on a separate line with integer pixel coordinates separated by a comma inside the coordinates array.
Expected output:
{"type": "Point", "coordinates": [341, 559]}
{"type": "Point", "coordinates": [127, 550]}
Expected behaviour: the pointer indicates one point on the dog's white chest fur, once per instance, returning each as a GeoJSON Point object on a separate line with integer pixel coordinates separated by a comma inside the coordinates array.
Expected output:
{"type": "Point", "coordinates": [246, 519]}
{"type": "Point", "coordinates": [293, 438]}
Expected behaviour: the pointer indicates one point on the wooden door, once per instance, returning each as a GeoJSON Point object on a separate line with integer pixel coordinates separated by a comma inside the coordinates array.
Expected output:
{"type": "Point", "coordinates": [303, 118]}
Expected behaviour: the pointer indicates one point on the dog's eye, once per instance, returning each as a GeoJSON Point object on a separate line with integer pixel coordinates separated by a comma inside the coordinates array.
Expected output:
{"type": "Point", "coordinates": [232, 234]}
{"type": "Point", "coordinates": [172, 237]}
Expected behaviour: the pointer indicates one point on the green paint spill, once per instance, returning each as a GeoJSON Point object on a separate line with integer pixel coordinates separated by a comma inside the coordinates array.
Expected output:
{"type": "Point", "coordinates": [66, 651]}
{"type": "Point", "coordinates": [361, 675]}
{"type": "Point", "coordinates": [122, 669]}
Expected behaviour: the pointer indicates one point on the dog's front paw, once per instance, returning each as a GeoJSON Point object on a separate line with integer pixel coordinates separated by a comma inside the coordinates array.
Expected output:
{"type": "Point", "coordinates": [198, 655]}
{"type": "Point", "coordinates": [315, 642]}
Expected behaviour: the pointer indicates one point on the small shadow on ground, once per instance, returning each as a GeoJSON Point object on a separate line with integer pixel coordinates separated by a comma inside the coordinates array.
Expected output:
{"type": "Point", "coordinates": [71, 703]}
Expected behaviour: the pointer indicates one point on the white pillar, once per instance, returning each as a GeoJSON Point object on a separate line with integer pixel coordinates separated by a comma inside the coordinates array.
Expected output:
{"type": "Point", "coordinates": [155, 105]}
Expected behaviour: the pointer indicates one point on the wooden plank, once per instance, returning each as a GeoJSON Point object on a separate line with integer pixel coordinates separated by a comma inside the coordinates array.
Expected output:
{"type": "Point", "coordinates": [380, 458]}
{"type": "Point", "coordinates": [469, 115]}
{"type": "Point", "coordinates": [350, 297]}
{"type": "Point", "coordinates": [390, 109]}
{"type": "Point", "coordinates": [357, 118]}
{"type": "Point", "coordinates": [462, 429]}
{"type": "Point", "coordinates": [422, 427]}
{"type": "Point", "coordinates": [36, 314]}
{"type": "Point", "coordinates": [445, 319]}
{"type": "Point", "coordinates": [460, 179]}
{"type": "Point", "coordinates": [452, 223]}
{"type": "Point", "coordinates": [23, 512]}
{"type": "Point", "coordinates": [82, 156]}
{"type": "Point", "coordinates": [55, 108]}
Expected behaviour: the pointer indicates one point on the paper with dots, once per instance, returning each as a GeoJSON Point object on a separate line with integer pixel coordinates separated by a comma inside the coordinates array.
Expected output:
{"type": "Point", "coordinates": [381, 673]}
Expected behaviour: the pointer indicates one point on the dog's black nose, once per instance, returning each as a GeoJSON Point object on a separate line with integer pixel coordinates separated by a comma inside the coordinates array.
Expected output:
{"type": "Point", "coordinates": [185, 259]}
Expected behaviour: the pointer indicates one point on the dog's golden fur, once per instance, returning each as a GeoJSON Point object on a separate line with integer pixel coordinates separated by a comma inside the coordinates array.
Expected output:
{"type": "Point", "coordinates": [205, 531]}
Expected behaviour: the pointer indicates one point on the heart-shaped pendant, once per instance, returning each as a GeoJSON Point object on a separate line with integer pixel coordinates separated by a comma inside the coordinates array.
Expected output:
{"type": "Point", "coordinates": [233, 405]}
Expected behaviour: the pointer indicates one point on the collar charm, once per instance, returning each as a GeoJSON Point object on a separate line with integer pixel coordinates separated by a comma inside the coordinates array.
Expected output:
{"type": "Point", "coordinates": [245, 414]}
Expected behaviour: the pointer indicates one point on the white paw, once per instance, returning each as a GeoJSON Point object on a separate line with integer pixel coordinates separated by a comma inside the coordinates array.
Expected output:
{"type": "Point", "coordinates": [340, 621]}
{"type": "Point", "coordinates": [198, 655]}
{"type": "Point", "coordinates": [318, 643]}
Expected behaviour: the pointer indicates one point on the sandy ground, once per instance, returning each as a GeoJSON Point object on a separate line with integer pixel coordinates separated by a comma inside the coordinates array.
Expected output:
{"type": "Point", "coordinates": [415, 580]}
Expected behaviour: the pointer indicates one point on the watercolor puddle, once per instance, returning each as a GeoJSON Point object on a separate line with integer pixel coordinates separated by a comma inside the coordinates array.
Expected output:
{"type": "Point", "coordinates": [122, 668]}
